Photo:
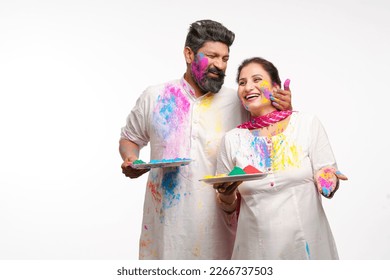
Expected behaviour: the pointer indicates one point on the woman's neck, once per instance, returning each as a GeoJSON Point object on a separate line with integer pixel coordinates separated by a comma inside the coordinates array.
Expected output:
{"type": "Point", "coordinates": [263, 111]}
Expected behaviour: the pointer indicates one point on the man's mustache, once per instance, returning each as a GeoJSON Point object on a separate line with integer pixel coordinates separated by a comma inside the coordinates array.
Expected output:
{"type": "Point", "coordinates": [216, 71]}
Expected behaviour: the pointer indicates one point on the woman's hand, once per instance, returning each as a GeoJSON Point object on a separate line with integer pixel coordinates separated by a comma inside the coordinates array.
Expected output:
{"type": "Point", "coordinates": [227, 196]}
{"type": "Point", "coordinates": [227, 188]}
{"type": "Point", "coordinates": [327, 180]}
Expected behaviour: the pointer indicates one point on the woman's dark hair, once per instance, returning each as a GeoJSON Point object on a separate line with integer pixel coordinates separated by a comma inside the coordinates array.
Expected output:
{"type": "Point", "coordinates": [203, 31]}
{"type": "Point", "coordinates": [268, 67]}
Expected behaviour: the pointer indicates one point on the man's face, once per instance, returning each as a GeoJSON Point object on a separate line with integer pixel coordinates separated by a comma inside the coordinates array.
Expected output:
{"type": "Point", "coordinates": [209, 66]}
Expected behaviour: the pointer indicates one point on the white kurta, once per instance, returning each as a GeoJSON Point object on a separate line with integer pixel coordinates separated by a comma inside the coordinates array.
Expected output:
{"type": "Point", "coordinates": [181, 219]}
{"type": "Point", "coordinates": [281, 215]}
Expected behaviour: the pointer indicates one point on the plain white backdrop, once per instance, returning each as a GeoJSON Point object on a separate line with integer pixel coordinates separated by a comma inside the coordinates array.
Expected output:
{"type": "Point", "coordinates": [70, 72]}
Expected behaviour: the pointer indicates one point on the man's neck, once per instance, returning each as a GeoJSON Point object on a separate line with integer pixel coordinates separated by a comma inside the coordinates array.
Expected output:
{"type": "Point", "coordinates": [191, 82]}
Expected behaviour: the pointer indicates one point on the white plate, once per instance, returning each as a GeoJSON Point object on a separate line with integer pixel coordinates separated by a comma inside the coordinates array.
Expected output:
{"type": "Point", "coordinates": [162, 164]}
{"type": "Point", "coordinates": [234, 178]}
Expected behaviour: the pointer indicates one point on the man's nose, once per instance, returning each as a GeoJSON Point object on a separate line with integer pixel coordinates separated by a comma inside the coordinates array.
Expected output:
{"type": "Point", "coordinates": [219, 63]}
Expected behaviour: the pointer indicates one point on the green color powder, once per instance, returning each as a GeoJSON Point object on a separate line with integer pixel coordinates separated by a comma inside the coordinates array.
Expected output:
{"type": "Point", "coordinates": [237, 171]}
{"type": "Point", "coordinates": [138, 161]}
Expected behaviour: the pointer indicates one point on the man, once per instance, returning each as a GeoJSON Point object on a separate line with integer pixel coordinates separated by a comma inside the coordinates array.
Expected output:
{"type": "Point", "coordinates": [186, 118]}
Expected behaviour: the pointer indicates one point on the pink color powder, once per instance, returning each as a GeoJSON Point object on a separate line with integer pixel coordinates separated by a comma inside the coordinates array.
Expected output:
{"type": "Point", "coordinates": [199, 66]}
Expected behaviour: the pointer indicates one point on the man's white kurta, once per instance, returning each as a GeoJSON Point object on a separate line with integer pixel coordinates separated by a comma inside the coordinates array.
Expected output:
{"type": "Point", "coordinates": [281, 215]}
{"type": "Point", "coordinates": [181, 219]}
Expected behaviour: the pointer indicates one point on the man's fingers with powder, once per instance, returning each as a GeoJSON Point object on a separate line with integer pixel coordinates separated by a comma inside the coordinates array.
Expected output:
{"type": "Point", "coordinates": [281, 98]}
{"type": "Point", "coordinates": [132, 172]}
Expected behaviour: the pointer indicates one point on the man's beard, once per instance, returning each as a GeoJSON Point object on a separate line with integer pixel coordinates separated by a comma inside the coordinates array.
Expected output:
{"type": "Point", "coordinates": [207, 84]}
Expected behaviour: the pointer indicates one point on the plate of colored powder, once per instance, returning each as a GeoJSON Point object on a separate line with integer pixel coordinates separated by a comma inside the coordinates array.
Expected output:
{"type": "Point", "coordinates": [237, 174]}
{"type": "Point", "coordinates": [161, 163]}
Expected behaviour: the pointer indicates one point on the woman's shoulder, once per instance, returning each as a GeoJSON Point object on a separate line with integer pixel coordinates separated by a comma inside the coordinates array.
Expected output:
{"type": "Point", "coordinates": [237, 135]}
{"type": "Point", "coordinates": [235, 132]}
{"type": "Point", "coordinates": [305, 119]}
{"type": "Point", "coordinates": [304, 116]}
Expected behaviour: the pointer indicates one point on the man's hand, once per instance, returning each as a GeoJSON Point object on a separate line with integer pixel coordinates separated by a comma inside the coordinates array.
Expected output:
{"type": "Point", "coordinates": [281, 99]}
{"type": "Point", "coordinates": [130, 171]}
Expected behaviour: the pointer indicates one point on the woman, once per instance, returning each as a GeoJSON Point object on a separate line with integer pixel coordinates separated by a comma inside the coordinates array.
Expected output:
{"type": "Point", "coordinates": [281, 215]}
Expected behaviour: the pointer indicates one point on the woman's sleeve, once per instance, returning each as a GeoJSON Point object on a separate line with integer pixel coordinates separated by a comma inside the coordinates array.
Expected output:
{"type": "Point", "coordinates": [320, 151]}
{"type": "Point", "coordinates": [225, 163]}
{"type": "Point", "coordinates": [225, 158]}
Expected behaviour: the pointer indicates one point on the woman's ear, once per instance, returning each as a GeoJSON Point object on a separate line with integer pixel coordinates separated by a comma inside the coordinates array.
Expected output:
{"type": "Point", "coordinates": [188, 55]}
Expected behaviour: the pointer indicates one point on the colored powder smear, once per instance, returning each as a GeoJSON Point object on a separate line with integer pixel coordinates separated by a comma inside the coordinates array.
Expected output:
{"type": "Point", "coordinates": [139, 161]}
{"type": "Point", "coordinates": [278, 155]}
{"type": "Point", "coordinates": [326, 181]}
{"type": "Point", "coordinates": [308, 251]}
{"type": "Point", "coordinates": [265, 88]}
{"type": "Point", "coordinates": [169, 184]}
{"type": "Point", "coordinates": [206, 102]}
{"type": "Point", "coordinates": [187, 87]}
{"type": "Point", "coordinates": [199, 67]}
{"type": "Point", "coordinates": [154, 186]}
{"type": "Point", "coordinates": [213, 121]}
{"type": "Point", "coordinates": [169, 115]}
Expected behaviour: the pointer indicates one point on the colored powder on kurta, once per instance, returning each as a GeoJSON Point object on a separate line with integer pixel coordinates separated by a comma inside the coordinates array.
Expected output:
{"type": "Point", "coordinates": [199, 67]}
{"type": "Point", "coordinates": [206, 102]}
{"type": "Point", "coordinates": [284, 157]}
{"type": "Point", "coordinates": [259, 145]}
{"type": "Point", "coordinates": [275, 152]}
{"type": "Point", "coordinates": [154, 187]}
{"type": "Point", "coordinates": [171, 111]}
{"type": "Point", "coordinates": [237, 171]}
{"type": "Point", "coordinates": [187, 87]}
{"type": "Point", "coordinates": [173, 105]}
{"type": "Point", "coordinates": [169, 185]}
{"type": "Point", "coordinates": [250, 169]}
{"type": "Point", "coordinates": [169, 119]}
{"type": "Point", "coordinates": [308, 251]}
{"type": "Point", "coordinates": [283, 153]}
{"type": "Point", "coordinates": [138, 161]}
{"type": "Point", "coordinates": [145, 243]}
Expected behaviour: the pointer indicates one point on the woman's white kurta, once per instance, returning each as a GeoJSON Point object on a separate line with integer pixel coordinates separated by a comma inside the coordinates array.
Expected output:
{"type": "Point", "coordinates": [281, 215]}
{"type": "Point", "coordinates": [181, 219]}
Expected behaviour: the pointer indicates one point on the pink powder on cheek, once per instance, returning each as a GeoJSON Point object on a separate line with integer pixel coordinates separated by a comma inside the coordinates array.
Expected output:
{"type": "Point", "coordinates": [265, 88]}
{"type": "Point", "coordinates": [199, 66]}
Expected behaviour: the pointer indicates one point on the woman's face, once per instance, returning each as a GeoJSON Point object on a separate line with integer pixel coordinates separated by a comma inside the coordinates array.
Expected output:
{"type": "Point", "coordinates": [254, 88]}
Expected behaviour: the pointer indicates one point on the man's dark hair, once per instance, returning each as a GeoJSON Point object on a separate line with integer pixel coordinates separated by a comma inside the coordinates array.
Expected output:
{"type": "Point", "coordinates": [268, 67]}
{"type": "Point", "coordinates": [203, 31]}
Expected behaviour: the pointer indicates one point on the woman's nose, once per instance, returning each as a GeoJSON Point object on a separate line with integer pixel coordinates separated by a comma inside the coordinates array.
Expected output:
{"type": "Point", "coordinates": [249, 87]}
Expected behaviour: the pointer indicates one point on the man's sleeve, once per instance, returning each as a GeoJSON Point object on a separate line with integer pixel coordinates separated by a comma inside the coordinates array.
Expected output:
{"type": "Point", "coordinates": [138, 121]}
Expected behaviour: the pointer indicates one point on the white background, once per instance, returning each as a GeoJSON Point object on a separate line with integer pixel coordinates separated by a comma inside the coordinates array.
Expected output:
{"type": "Point", "coordinates": [70, 72]}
